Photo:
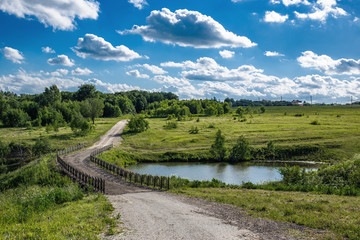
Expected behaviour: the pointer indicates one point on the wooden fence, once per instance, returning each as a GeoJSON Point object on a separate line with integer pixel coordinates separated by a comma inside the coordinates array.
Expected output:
{"type": "Point", "coordinates": [82, 178]}
{"type": "Point", "coordinates": [71, 149]}
{"type": "Point", "coordinates": [142, 179]}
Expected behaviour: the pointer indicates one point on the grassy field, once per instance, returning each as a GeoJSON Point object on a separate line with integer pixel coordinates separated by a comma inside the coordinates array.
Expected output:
{"type": "Point", "coordinates": [338, 214]}
{"type": "Point", "coordinates": [58, 140]}
{"type": "Point", "coordinates": [338, 133]}
{"type": "Point", "coordinates": [36, 202]}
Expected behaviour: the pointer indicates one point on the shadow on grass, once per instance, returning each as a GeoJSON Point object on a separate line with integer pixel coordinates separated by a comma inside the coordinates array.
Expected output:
{"type": "Point", "coordinates": [65, 136]}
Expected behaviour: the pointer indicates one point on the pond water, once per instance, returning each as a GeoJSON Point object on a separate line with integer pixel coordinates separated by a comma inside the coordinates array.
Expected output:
{"type": "Point", "coordinates": [228, 173]}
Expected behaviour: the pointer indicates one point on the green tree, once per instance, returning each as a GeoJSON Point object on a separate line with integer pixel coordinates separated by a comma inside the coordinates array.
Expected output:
{"type": "Point", "coordinates": [262, 109]}
{"type": "Point", "coordinates": [140, 103]}
{"type": "Point", "coordinates": [138, 124]}
{"type": "Point", "coordinates": [270, 150]}
{"type": "Point", "coordinates": [92, 108]}
{"type": "Point", "coordinates": [79, 125]}
{"type": "Point", "coordinates": [218, 149]}
{"type": "Point", "coordinates": [50, 96]}
{"type": "Point", "coordinates": [241, 150]}
{"type": "Point", "coordinates": [86, 91]}
{"type": "Point", "coordinates": [240, 111]}
{"type": "Point", "coordinates": [15, 118]}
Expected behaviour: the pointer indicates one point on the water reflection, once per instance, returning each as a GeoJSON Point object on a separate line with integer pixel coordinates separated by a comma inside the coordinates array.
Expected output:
{"type": "Point", "coordinates": [228, 173]}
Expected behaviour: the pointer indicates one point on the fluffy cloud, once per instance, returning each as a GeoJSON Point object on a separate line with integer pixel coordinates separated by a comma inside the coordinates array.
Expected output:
{"type": "Point", "coordinates": [274, 17]}
{"type": "Point", "coordinates": [81, 71]}
{"type": "Point", "coordinates": [111, 87]}
{"type": "Point", "coordinates": [47, 50]}
{"type": "Point", "coordinates": [96, 47]}
{"type": "Point", "coordinates": [273, 54]}
{"type": "Point", "coordinates": [206, 78]}
{"type": "Point", "coordinates": [23, 82]}
{"type": "Point", "coordinates": [138, 3]}
{"type": "Point", "coordinates": [32, 83]}
{"type": "Point", "coordinates": [13, 55]}
{"type": "Point", "coordinates": [321, 10]}
{"type": "Point", "coordinates": [61, 60]}
{"type": "Point", "coordinates": [137, 74]}
{"type": "Point", "coordinates": [187, 29]}
{"type": "Point", "coordinates": [152, 68]}
{"type": "Point", "coordinates": [226, 54]}
{"type": "Point", "coordinates": [328, 65]}
{"type": "Point", "coordinates": [294, 2]}
{"type": "Point", "coordinates": [57, 14]}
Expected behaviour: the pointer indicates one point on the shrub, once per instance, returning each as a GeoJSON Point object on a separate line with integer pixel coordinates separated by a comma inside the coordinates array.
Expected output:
{"type": "Point", "coordinates": [170, 125]}
{"type": "Point", "coordinates": [292, 175]}
{"type": "Point", "coordinates": [15, 118]}
{"type": "Point", "coordinates": [241, 150]}
{"type": "Point", "coordinates": [41, 146]}
{"type": "Point", "coordinates": [262, 109]}
{"type": "Point", "coordinates": [315, 122]}
{"type": "Point", "coordinates": [211, 125]}
{"type": "Point", "coordinates": [218, 149]}
{"type": "Point", "coordinates": [138, 124]}
{"type": "Point", "coordinates": [194, 130]}
{"type": "Point", "coordinates": [299, 115]}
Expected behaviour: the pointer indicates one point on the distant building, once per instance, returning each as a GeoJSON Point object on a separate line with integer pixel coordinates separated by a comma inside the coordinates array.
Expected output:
{"type": "Point", "coordinates": [297, 102]}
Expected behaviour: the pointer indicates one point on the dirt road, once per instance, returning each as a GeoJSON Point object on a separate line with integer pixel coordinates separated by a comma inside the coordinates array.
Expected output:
{"type": "Point", "coordinates": [148, 214]}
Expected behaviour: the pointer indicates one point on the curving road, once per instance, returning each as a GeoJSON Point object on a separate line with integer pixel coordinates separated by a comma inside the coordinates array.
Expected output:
{"type": "Point", "coordinates": [148, 214]}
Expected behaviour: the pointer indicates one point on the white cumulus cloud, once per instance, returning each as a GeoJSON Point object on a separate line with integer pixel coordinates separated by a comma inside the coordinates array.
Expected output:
{"type": "Point", "coordinates": [13, 55]}
{"type": "Point", "coordinates": [152, 68]}
{"type": "Point", "coordinates": [329, 66]}
{"type": "Point", "coordinates": [61, 60]}
{"type": "Point", "coordinates": [96, 47]}
{"type": "Point", "coordinates": [273, 54]}
{"type": "Point", "coordinates": [47, 50]}
{"type": "Point", "coordinates": [274, 17]}
{"type": "Point", "coordinates": [135, 73]}
{"type": "Point", "coordinates": [55, 13]}
{"type": "Point", "coordinates": [138, 3]}
{"type": "Point", "coordinates": [187, 29]}
{"type": "Point", "coordinates": [321, 10]}
{"type": "Point", "coordinates": [81, 71]}
{"type": "Point", "coordinates": [295, 2]}
{"type": "Point", "coordinates": [226, 54]}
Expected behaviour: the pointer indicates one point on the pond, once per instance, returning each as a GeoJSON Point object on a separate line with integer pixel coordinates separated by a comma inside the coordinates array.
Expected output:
{"type": "Point", "coordinates": [228, 173]}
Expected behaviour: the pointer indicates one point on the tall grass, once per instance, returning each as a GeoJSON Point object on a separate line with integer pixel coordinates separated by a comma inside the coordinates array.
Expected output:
{"type": "Point", "coordinates": [37, 202]}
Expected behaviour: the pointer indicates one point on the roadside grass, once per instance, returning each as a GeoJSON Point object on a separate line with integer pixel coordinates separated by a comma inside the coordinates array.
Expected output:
{"type": "Point", "coordinates": [58, 140]}
{"type": "Point", "coordinates": [338, 214]}
{"type": "Point", "coordinates": [37, 202]}
{"type": "Point", "coordinates": [338, 133]}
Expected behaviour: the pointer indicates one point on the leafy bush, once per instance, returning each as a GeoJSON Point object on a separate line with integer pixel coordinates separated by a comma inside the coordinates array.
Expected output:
{"type": "Point", "coordinates": [299, 115]}
{"type": "Point", "coordinates": [218, 149]}
{"type": "Point", "coordinates": [15, 118]}
{"type": "Point", "coordinates": [41, 146]}
{"type": "Point", "coordinates": [241, 150]}
{"type": "Point", "coordinates": [194, 130]}
{"type": "Point", "coordinates": [315, 122]}
{"type": "Point", "coordinates": [79, 125]}
{"type": "Point", "coordinates": [138, 124]}
{"type": "Point", "coordinates": [292, 175]}
{"type": "Point", "coordinates": [170, 125]}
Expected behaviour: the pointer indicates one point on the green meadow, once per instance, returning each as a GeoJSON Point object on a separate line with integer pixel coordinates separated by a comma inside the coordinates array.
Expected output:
{"type": "Point", "coordinates": [333, 130]}
{"type": "Point", "coordinates": [60, 139]}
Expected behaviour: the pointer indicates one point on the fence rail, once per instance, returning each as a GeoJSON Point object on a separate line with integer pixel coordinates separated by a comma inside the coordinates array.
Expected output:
{"type": "Point", "coordinates": [71, 149]}
{"type": "Point", "coordinates": [142, 179]}
{"type": "Point", "coordinates": [100, 150]}
{"type": "Point", "coordinates": [82, 178]}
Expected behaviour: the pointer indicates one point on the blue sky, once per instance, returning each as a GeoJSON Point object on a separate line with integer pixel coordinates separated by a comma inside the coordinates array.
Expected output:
{"type": "Point", "coordinates": [253, 49]}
